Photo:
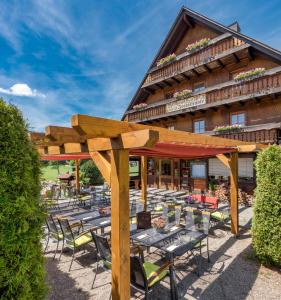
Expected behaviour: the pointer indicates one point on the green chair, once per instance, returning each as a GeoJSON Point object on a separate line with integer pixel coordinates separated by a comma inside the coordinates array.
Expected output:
{"type": "Point", "coordinates": [146, 275]}
{"type": "Point", "coordinates": [74, 236]}
{"type": "Point", "coordinates": [54, 232]}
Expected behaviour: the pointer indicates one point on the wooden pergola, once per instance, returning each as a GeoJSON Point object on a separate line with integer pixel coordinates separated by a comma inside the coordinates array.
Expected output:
{"type": "Point", "coordinates": [110, 143]}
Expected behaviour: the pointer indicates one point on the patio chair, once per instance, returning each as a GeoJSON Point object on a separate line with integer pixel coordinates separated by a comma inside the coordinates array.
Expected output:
{"type": "Point", "coordinates": [104, 253]}
{"type": "Point", "coordinates": [146, 275]}
{"type": "Point", "coordinates": [54, 233]}
{"type": "Point", "coordinates": [144, 220]}
{"type": "Point", "coordinates": [213, 200]}
{"type": "Point", "coordinates": [74, 236]}
{"type": "Point", "coordinates": [222, 215]}
{"type": "Point", "coordinates": [197, 226]}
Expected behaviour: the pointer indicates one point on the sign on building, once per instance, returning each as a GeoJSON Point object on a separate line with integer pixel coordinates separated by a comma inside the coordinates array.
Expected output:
{"type": "Point", "coordinates": [186, 103]}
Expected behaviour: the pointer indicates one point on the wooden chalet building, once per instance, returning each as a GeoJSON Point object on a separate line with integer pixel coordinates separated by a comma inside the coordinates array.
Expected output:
{"type": "Point", "coordinates": [211, 79]}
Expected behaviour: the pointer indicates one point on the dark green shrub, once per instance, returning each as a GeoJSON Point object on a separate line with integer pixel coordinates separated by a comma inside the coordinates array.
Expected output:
{"type": "Point", "coordinates": [22, 274]}
{"type": "Point", "coordinates": [90, 174]}
{"type": "Point", "coordinates": [267, 207]}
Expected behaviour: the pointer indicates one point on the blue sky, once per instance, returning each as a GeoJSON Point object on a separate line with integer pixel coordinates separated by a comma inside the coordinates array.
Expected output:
{"type": "Point", "coordinates": [59, 58]}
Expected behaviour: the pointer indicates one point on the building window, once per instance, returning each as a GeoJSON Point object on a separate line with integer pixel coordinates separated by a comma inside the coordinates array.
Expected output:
{"type": "Point", "coordinates": [166, 167]}
{"type": "Point", "coordinates": [199, 126]}
{"type": "Point", "coordinates": [198, 170]}
{"type": "Point", "coordinates": [237, 119]}
{"type": "Point", "coordinates": [199, 87]}
{"type": "Point", "coordinates": [134, 168]}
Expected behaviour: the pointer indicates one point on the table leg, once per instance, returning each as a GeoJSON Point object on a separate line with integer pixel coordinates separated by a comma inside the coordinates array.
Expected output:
{"type": "Point", "coordinates": [174, 291]}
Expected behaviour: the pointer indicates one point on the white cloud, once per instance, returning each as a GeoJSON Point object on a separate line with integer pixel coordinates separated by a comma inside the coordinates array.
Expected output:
{"type": "Point", "coordinates": [21, 90]}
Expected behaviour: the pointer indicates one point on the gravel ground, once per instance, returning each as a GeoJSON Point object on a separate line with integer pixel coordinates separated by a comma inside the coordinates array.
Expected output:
{"type": "Point", "coordinates": [231, 274]}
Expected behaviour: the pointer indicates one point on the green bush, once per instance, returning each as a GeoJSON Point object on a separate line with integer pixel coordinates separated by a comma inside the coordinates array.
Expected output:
{"type": "Point", "coordinates": [90, 174]}
{"type": "Point", "coordinates": [267, 207]}
{"type": "Point", "coordinates": [22, 273]}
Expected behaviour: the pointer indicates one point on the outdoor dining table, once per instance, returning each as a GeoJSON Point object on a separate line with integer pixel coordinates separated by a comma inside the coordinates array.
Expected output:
{"type": "Point", "coordinates": [151, 237]}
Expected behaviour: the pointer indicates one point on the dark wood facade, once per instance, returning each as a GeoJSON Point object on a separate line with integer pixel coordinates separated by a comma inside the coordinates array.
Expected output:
{"type": "Point", "coordinates": [216, 98]}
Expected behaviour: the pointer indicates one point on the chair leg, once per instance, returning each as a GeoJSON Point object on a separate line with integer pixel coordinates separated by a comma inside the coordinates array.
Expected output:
{"type": "Point", "coordinates": [46, 247]}
{"type": "Point", "coordinates": [73, 256]}
{"type": "Point", "coordinates": [97, 268]}
{"type": "Point", "coordinates": [208, 250]}
{"type": "Point", "coordinates": [58, 241]}
{"type": "Point", "coordinates": [61, 249]}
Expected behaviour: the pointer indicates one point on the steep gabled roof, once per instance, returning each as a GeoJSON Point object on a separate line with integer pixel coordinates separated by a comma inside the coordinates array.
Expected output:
{"type": "Point", "coordinates": [188, 16]}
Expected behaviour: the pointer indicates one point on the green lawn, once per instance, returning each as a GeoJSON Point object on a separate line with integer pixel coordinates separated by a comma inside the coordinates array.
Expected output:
{"type": "Point", "coordinates": [51, 173]}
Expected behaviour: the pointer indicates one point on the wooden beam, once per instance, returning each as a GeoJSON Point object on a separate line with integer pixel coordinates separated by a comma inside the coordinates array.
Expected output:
{"type": "Point", "coordinates": [77, 175]}
{"type": "Point", "coordinates": [149, 91]}
{"type": "Point", "coordinates": [75, 148]}
{"type": "Point", "coordinates": [224, 159]}
{"type": "Point", "coordinates": [63, 135]}
{"type": "Point", "coordinates": [207, 68]}
{"type": "Point", "coordinates": [134, 139]}
{"type": "Point", "coordinates": [176, 80]}
{"type": "Point", "coordinates": [144, 182]}
{"type": "Point", "coordinates": [185, 76]}
{"type": "Point", "coordinates": [99, 127]}
{"type": "Point", "coordinates": [167, 83]}
{"type": "Point", "coordinates": [220, 63]}
{"type": "Point", "coordinates": [120, 228]}
{"type": "Point", "coordinates": [237, 59]}
{"type": "Point", "coordinates": [234, 193]}
{"type": "Point", "coordinates": [159, 85]}
{"type": "Point", "coordinates": [102, 161]}
{"type": "Point", "coordinates": [195, 72]}
{"type": "Point", "coordinates": [54, 150]}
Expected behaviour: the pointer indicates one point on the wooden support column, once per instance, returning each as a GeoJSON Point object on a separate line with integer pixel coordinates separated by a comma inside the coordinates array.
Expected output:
{"type": "Point", "coordinates": [144, 182]}
{"type": "Point", "coordinates": [77, 175]}
{"type": "Point", "coordinates": [234, 193]}
{"type": "Point", "coordinates": [232, 165]}
{"type": "Point", "coordinates": [120, 228]}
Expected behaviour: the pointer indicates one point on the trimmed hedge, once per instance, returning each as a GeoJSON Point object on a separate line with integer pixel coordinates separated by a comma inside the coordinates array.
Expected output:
{"type": "Point", "coordinates": [22, 273]}
{"type": "Point", "coordinates": [267, 207]}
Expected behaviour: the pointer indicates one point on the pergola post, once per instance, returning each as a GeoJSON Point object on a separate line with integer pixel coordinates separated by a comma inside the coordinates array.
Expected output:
{"type": "Point", "coordinates": [77, 175]}
{"type": "Point", "coordinates": [120, 228]}
{"type": "Point", "coordinates": [144, 181]}
{"type": "Point", "coordinates": [232, 164]}
{"type": "Point", "coordinates": [234, 193]}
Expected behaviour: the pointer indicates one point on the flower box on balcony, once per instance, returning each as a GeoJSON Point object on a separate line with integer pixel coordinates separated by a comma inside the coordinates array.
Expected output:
{"type": "Point", "coordinates": [248, 75]}
{"type": "Point", "coordinates": [166, 59]}
{"type": "Point", "coordinates": [182, 94]}
{"type": "Point", "coordinates": [228, 129]}
{"type": "Point", "coordinates": [198, 45]}
{"type": "Point", "coordinates": [139, 106]}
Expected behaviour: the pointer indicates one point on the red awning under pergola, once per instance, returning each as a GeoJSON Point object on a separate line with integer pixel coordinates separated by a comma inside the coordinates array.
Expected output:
{"type": "Point", "coordinates": [162, 150]}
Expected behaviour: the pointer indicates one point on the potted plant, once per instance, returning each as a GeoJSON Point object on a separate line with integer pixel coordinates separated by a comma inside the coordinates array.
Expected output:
{"type": "Point", "coordinates": [248, 75]}
{"type": "Point", "coordinates": [198, 45]}
{"type": "Point", "coordinates": [166, 59]}
{"type": "Point", "coordinates": [159, 224]}
{"type": "Point", "coordinates": [182, 94]}
{"type": "Point", "coordinates": [140, 106]}
{"type": "Point", "coordinates": [228, 129]}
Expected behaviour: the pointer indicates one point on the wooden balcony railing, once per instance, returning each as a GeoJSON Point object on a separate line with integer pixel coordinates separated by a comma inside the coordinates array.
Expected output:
{"type": "Point", "coordinates": [224, 93]}
{"type": "Point", "coordinates": [193, 59]}
{"type": "Point", "coordinates": [260, 136]}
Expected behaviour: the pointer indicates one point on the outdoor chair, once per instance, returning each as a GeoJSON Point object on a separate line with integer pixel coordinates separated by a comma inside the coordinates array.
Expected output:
{"type": "Point", "coordinates": [74, 236]}
{"type": "Point", "coordinates": [144, 220]}
{"type": "Point", "coordinates": [104, 253]}
{"type": "Point", "coordinates": [146, 275]}
{"type": "Point", "coordinates": [212, 200]}
{"type": "Point", "coordinates": [221, 216]}
{"type": "Point", "coordinates": [54, 232]}
{"type": "Point", "coordinates": [197, 226]}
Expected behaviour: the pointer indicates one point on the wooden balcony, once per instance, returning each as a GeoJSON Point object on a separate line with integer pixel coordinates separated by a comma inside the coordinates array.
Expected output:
{"type": "Point", "coordinates": [264, 136]}
{"type": "Point", "coordinates": [217, 54]}
{"type": "Point", "coordinates": [218, 95]}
